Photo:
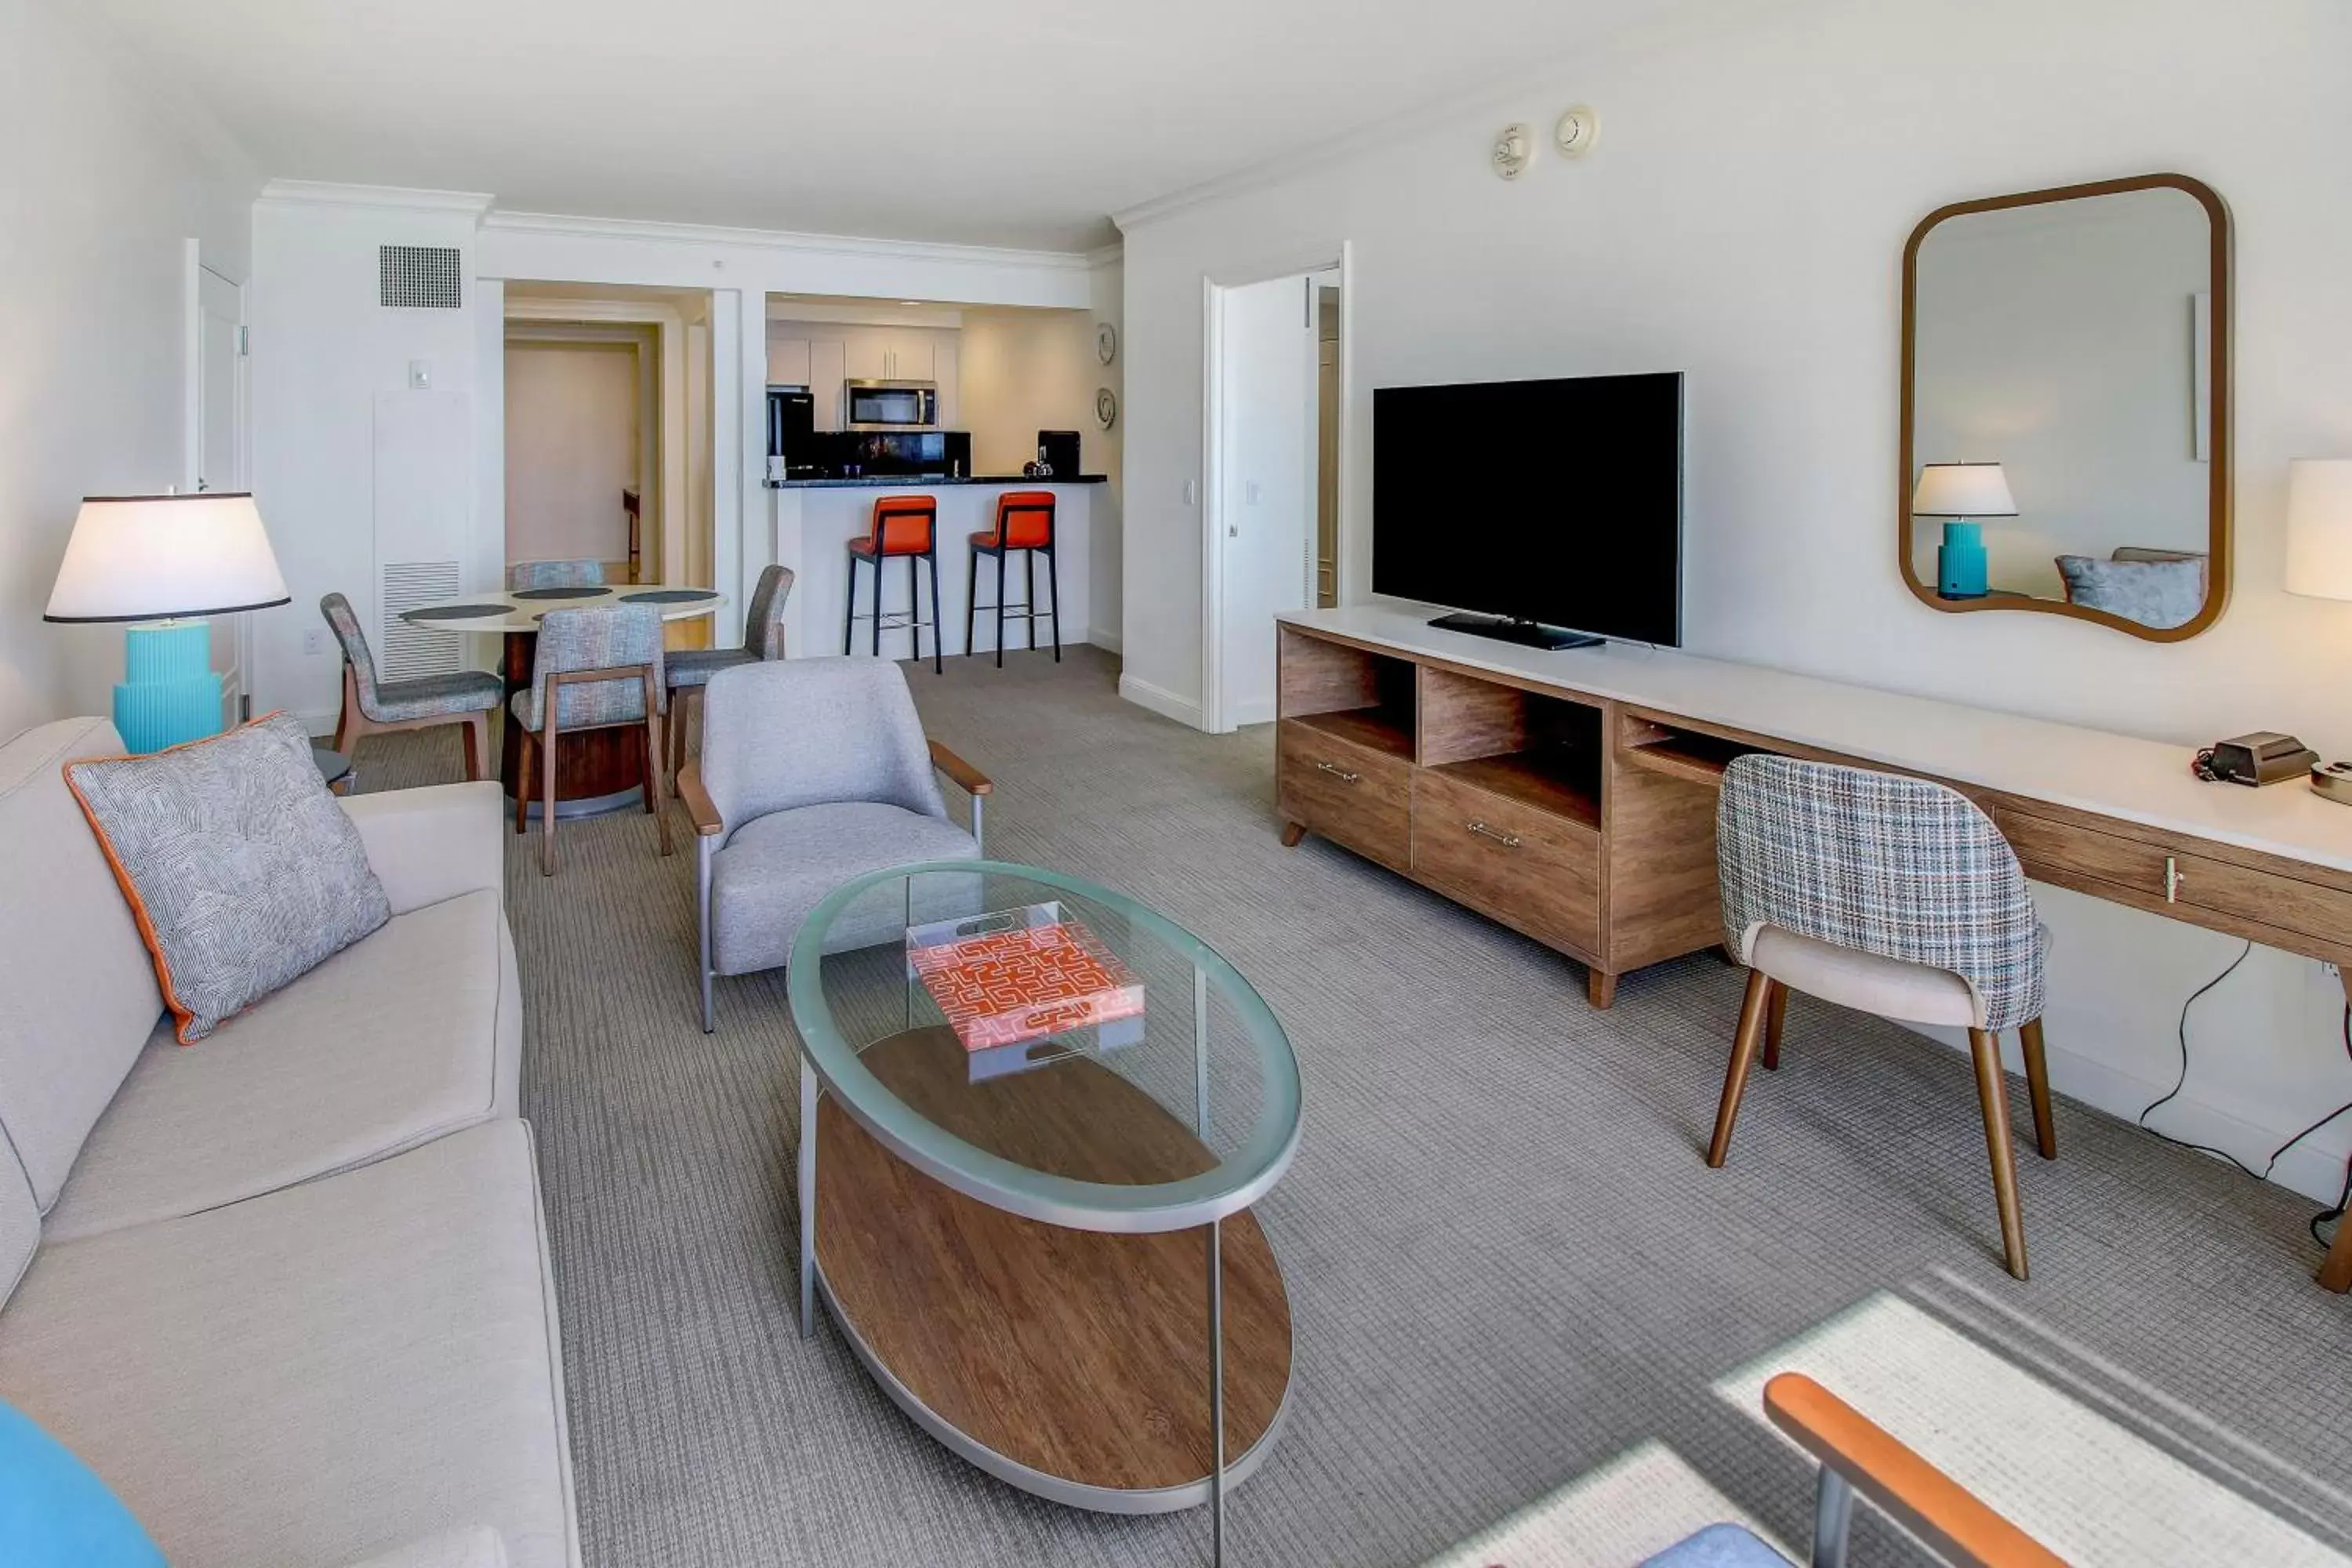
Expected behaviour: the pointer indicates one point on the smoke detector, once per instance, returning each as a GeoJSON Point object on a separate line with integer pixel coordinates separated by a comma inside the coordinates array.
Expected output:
{"type": "Point", "coordinates": [1513, 147]}
{"type": "Point", "coordinates": [1577, 131]}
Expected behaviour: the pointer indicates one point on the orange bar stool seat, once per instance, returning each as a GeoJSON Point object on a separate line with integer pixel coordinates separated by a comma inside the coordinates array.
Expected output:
{"type": "Point", "coordinates": [1024, 522]}
{"type": "Point", "coordinates": [905, 526]}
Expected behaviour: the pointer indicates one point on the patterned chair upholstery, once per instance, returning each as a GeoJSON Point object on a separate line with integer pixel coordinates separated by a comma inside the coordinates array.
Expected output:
{"type": "Point", "coordinates": [1891, 895]}
{"type": "Point", "coordinates": [369, 705]}
{"type": "Point", "coordinates": [555, 574]}
{"type": "Point", "coordinates": [619, 637]}
{"type": "Point", "coordinates": [813, 772]}
{"type": "Point", "coordinates": [690, 670]}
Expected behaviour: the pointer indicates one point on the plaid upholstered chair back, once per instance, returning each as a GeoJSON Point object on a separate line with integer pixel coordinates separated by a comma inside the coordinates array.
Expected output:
{"type": "Point", "coordinates": [1903, 867]}
{"type": "Point", "coordinates": [555, 574]}
{"type": "Point", "coordinates": [764, 620]}
{"type": "Point", "coordinates": [345, 623]}
{"type": "Point", "coordinates": [605, 638]}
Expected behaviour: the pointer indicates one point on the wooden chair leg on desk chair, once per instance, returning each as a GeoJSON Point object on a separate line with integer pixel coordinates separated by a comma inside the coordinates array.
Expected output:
{"type": "Point", "coordinates": [1744, 1045]}
{"type": "Point", "coordinates": [477, 747]}
{"type": "Point", "coordinates": [1992, 1094]}
{"type": "Point", "coordinates": [2037, 1081]}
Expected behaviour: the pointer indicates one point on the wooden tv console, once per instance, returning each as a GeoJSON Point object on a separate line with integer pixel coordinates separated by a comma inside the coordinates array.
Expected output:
{"type": "Point", "coordinates": [1570, 795]}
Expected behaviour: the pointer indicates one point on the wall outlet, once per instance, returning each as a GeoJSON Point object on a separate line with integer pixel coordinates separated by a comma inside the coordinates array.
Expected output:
{"type": "Point", "coordinates": [314, 642]}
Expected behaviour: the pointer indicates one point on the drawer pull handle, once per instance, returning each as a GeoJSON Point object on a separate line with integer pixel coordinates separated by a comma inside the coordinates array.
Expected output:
{"type": "Point", "coordinates": [1343, 774]}
{"type": "Point", "coordinates": [1508, 840]}
{"type": "Point", "coordinates": [2172, 879]}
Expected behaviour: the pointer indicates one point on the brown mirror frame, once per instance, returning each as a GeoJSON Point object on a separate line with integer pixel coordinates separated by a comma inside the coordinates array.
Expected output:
{"type": "Point", "coordinates": [2218, 574]}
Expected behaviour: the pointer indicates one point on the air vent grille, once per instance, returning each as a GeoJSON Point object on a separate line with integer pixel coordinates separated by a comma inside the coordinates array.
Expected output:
{"type": "Point", "coordinates": [419, 276]}
{"type": "Point", "coordinates": [411, 650]}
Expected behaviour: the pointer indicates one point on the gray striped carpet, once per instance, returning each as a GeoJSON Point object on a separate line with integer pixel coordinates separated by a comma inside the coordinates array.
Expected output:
{"type": "Point", "coordinates": [1507, 1264]}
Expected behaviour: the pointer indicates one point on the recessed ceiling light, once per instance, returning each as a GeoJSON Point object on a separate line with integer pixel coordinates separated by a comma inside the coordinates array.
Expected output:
{"type": "Point", "coordinates": [915, 302]}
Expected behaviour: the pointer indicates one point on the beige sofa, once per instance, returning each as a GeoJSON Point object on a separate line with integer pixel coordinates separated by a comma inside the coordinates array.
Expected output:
{"type": "Point", "coordinates": [286, 1290]}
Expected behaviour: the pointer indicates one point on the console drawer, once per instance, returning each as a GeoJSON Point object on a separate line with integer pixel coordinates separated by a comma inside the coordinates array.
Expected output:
{"type": "Point", "coordinates": [1349, 794]}
{"type": "Point", "coordinates": [1536, 872]}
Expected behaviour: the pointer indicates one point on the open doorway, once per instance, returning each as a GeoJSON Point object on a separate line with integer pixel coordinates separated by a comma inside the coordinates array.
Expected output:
{"type": "Point", "coordinates": [1272, 540]}
{"type": "Point", "coordinates": [609, 436]}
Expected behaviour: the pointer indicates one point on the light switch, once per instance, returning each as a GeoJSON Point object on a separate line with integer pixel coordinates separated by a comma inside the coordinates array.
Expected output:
{"type": "Point", "coordinates": [1249, 493]}
{"type": "Point", "coordinates": [1192, 492]}
{"type": "Point", "coordinates": [420, 375]}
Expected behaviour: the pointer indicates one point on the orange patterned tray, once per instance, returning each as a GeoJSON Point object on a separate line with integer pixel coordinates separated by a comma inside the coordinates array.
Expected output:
{"type": "Point", "coordinates": [1021, 975]}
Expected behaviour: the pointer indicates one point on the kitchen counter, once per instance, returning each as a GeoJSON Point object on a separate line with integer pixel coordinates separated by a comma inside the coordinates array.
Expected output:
{"type": "Point", "coordinates": [925, 481]}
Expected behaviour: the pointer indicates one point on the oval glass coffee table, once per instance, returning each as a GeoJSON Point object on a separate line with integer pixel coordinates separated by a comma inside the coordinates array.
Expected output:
{"type": "Point", "coordinates": [1034, 1114]}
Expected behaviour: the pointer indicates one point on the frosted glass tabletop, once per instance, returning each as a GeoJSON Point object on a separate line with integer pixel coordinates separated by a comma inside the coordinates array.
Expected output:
{"type": "Point", "coordinates": [520, 609]}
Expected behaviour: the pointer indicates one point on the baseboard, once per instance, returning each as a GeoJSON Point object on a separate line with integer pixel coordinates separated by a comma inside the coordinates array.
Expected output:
{"type": "Point", "coordinates": [1105, 639]}
{"type": "Point", "coordinates": [1160, 700]}
{"type": "Point", "coordinates": [320, 722]}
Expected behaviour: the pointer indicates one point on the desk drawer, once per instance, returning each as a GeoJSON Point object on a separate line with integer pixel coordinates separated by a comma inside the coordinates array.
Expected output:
{"type": "Point", "coordinates": [1536, 872]}
{"type": "Point", "coordinates": [2273, 908]}
{"type": "Point", "coordinates": [1349, 794]}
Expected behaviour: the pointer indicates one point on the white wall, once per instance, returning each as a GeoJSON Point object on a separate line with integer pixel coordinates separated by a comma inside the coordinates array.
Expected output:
{"type": "Point", "coordinates": [102, 176]}
{"type": "Point", "coordinates": [1108, 450]}
{"type": "Point", "coordinates": [572, 440]}
{"type": "Point", "coordinates": [1743, 220]}
{"type": "Point", "coordinates": [1025, 371]}
{"type": "Point", "coordinates": [2056, 341]}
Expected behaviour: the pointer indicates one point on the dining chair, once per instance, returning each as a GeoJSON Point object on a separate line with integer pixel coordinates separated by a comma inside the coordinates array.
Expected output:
{"type": "Point", "coordinates": [373, 707]}
{"type": "Point", "coordinates": [689, 670]}
{"type": "Point", "coordinates": [1890, 895]}
{"type": "Point", "coordinates": [594, 669]}
{"type": "Point", "coordinates": [1024, 522]}
{"type": "Point", "coordinates": [554, 574]}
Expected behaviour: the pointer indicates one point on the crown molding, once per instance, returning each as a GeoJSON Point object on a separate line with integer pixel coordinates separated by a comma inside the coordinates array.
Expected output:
{"type": "Point", "coordinates": [651, 233]}
{"type": "Point", "coordinates": [1109, 255]}
{"type": "Point", "coordinates": [333, 193]}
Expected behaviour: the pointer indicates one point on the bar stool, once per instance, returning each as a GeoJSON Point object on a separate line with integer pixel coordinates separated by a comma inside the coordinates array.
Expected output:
{"type": "Point", "coordinates": [907, 526]}
{"type": "Point", "coordinates": [1024, 522]}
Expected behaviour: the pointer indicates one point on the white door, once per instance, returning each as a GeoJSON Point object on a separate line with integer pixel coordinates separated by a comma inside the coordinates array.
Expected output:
{"type": "Point", "coordinates": [217, 447]}
{"type": "Point", "coordinates": [1266, 483]}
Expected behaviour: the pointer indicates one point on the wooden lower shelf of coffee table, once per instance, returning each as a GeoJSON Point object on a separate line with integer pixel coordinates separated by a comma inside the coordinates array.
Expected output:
{"type": "Point", "coordinates": [1075, 1363]}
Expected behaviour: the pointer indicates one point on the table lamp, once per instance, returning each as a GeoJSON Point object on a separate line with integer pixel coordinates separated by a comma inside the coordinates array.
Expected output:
{"type": "Point", "coordinates": [1960, 493]}
{"type": "Point", "coordinates": [163, 563]}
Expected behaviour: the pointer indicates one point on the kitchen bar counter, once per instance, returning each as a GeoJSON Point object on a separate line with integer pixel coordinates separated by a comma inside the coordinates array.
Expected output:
{"type": "Point", "coordinates": [925, 481]}
{"type": "Point", "coordinates": [811, 522]}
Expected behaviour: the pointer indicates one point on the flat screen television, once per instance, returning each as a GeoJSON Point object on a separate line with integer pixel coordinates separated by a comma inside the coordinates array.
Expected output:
{"type": "Point", "coordinates": [1551, 510]}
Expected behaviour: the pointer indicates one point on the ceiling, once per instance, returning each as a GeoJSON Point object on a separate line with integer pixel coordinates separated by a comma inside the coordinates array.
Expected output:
{"type": "Point", "coordinates": [1014, 122]}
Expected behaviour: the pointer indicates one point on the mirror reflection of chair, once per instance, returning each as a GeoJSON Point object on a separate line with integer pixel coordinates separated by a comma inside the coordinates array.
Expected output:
{"type": "Point", "coordinates": [373, 707]}
{"type": "Point", "coordinates": [689, 670]}
{"type": "Point", "coordinates": [580, 574]}
{"type": "Point", "coordinates": [1891, 895]}
{"type": "Point", "coordinates": [902, 526]}
{"type": "Point", "coordinates": [594, 669]}
{"type": "Point", "coordinates": [1024, 522]}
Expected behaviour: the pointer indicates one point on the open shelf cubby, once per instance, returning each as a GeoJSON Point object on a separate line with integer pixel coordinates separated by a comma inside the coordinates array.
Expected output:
{"type": "Point", "coordinates": [1542, 751]}
{"type": "Point", "coordinates": [1350, 693]}
{"type": "Point", "coordinates": [1692, 755]}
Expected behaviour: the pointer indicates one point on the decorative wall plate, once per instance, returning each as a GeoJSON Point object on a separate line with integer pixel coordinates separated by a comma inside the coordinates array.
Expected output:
{"type": "Point", "coordinates": [1105, 342]}
{"type": "Point", "coordinates": [1106, 407]}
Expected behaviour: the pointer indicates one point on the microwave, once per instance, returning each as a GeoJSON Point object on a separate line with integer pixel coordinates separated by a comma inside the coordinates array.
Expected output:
{"type": "Point", "coordinates": [890, 404]}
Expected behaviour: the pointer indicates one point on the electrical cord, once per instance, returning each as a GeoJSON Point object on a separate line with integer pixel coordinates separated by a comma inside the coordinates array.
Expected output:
{"type": "Point", "coordinates": [2181, 1081]}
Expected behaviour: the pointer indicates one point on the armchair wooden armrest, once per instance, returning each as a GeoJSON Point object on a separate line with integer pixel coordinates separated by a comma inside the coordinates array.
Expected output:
{"type": "Point", "coordinates": [696, 801]}
{"type": "Point", "coordinates": [969, 779]}
{"type": "Point", "coordinates": [1905, 1487]}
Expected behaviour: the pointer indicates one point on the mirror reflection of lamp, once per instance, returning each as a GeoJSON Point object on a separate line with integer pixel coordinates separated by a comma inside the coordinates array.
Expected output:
{"type": "Point", "coordinates": [1961, 493]}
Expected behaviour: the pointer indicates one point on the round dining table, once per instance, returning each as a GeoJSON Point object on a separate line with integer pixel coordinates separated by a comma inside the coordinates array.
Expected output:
{"type": "Point", "coordinates": [595, 770]}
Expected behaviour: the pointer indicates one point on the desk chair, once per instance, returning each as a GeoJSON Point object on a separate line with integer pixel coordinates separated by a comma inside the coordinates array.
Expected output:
{"type": "Point", "coordinates": [554, 574]}
{"type": "Point", "coordinates": [907, 526]}
{"type": "Point", "coordinates": [689, 670]}
{"type": "Point", "coordinates": [1890, 895]}
{"type": "Point", "coordinates": [372, 707]}
{"type": "Point", "coordinates": [594, 669]}
{"type": "Point", "coordinates": [1024, 522]}
{"type": "Point", "coordinates": [815, 772]}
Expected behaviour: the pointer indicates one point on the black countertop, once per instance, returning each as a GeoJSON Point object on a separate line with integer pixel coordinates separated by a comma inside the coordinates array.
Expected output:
{"type": "Point", "coordinates": [929, 481]}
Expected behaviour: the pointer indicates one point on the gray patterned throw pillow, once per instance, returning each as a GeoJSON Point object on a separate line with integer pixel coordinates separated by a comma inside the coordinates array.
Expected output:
{"type": "Point", "coordinates": [243, 872]}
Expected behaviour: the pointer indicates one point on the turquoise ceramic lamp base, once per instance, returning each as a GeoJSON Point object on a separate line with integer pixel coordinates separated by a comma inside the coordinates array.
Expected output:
{"type": "Point", "coordinates": [170, 692]}
{"type": "Point", "coordinates": [1960, 561]}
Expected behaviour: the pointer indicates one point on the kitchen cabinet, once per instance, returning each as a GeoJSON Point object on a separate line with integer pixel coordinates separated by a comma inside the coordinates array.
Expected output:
{"type": "Point", "coordinates": [826, 371]}
{"type": "Point", "coordinates": [789, 362]}
{"type": "Point", "coordinates": [947, 370]}
{"type": "Point", "coordinates": [866, 353]}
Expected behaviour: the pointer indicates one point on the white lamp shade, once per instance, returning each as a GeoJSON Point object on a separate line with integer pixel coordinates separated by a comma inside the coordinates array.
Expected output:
{"type": "Point", "coordinates": [2319, 527]}
{"type": "Point", "coordinates": [144, 558]}
{"type": "Point", "coordinates": [1962, 490]}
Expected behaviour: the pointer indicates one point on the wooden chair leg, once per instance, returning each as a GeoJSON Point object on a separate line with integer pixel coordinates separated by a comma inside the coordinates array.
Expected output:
{"type": "Point", "coordinates": [350, 713]}
{"type": "Point", "coordinates": [2335, 1274]}
{"type": "Point", "coordinates": [2037, 1079]}
{"type": "Point", "coordinates": [477, 745]}
{"type": "Point", "coordinates": [1992, 1094]}
{"type": "Point", "coordinates": [546, 789]}
{"type": "Point", "coordinates": [1774, 1013]}
{"type": "Point", "coordinates": [1743, 1057]}
{"type": "Point", "coordinates": [654, 749]}
{"type": "Point", "coordinates": [522, 780]}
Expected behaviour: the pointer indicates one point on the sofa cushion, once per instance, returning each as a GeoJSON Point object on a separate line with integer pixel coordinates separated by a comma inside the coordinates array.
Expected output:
{"type": "Point", "coordinates": [777, 867]}
{"type": "Point", "coordinates": [241, 870]}
{"type": "Point", "coordinates": [396, 1039]}
{"type": "Point", "coordinates": [77, 996]}
{"type": "Point", "coordinates": [320, 1374]}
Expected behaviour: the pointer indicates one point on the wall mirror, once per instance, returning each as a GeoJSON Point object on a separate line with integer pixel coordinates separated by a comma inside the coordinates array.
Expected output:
{"type": "Point", "coordinates": [2066, 405]}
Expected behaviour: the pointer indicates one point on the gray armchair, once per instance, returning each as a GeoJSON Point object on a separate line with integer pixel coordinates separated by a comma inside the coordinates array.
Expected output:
{"type": "Point", "coordinates": [813, 771]}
